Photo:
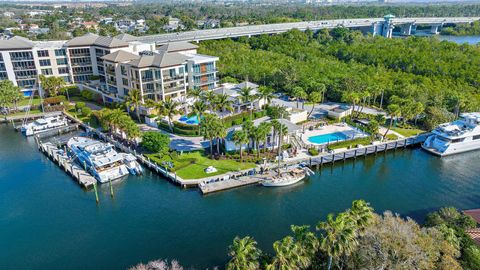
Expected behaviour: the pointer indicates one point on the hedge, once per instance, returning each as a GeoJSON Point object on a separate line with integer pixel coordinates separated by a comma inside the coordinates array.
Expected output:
{"type": "Point", "coordinates": [176, 130]}
{"type": "Point", "coordinates": [54, 100]}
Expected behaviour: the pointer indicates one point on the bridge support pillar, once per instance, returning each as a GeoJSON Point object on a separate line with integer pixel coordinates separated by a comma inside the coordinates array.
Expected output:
{"type": "Point", "coordinates": [387, 27]}
{"type": "Point", "coordinates": [376, 28]}
{"type": "Point", "coordinates": [406, 29]}
{"type": "Point", "coordinates": [435, 30]}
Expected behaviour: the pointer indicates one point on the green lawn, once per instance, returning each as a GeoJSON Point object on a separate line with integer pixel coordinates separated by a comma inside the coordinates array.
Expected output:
{"type": "Point", "coordinates": [192, 165]}
{"type": "Point", "coordinates": [23, 113]}
{"type": "Point", "coordinates": [407, 132]}
{"type": "Point", "coordinates": [26, 101]}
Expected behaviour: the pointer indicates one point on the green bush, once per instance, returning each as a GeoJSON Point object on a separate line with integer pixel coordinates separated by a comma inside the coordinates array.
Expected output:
{"type": "Point", "coordinates": [93, 77]}
{"type": "Point", "coordinates": [286, 146]}
{"type": "Point", "coordinates": [313, 151]}
{"type": "Point", "coordinates": [156, 142]}
{"type": "Point", "coordinates": [183, 126]}
{"type": "Point", "coordinates": [86, 111]}
{"type": "Point", "coordinates": [87, 94]}
{"type": "Point", "coordinates": [79, 105]}
{"type": "Point", "coordinates": [72, 90]}
{"type": "Point", "coordinates": [54, 100]}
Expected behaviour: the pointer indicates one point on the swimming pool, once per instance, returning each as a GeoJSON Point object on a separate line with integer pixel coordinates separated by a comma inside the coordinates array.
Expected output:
{"type": "Point", "coordinates": [193, 120]}
{"type": "Point", "coordinates": [329, 137]}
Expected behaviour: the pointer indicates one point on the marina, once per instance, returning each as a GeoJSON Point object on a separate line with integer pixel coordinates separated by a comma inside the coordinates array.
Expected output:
{"type": "Point", "coordinates": [410, 182]}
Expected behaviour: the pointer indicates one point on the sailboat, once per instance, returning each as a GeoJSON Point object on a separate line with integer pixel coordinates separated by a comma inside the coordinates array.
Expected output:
{"type": "Point", "coordinates": [43, 124]}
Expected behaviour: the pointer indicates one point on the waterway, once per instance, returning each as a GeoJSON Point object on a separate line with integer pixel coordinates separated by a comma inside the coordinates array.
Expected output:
{"type": "Point", "coordinates": [48, 222]}
{"type": "Point", "coordinates": [462, 39]}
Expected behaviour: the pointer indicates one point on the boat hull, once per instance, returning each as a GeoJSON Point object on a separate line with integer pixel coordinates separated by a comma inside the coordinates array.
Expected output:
{"type": "Point", "coordinates": [282, 183]}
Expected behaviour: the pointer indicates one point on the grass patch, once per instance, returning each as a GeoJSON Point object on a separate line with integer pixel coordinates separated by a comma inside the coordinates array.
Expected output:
{"type": "Point", "coordinates": [192, 165]}
{"type": "Point", "coordinates": [23, 113]}
{"type": "Point", "coordinates": [351, 143]}
{"type": "Point", "coordinates": [407, 132]}
{"type": "Point", "coordinates": [26, 101]}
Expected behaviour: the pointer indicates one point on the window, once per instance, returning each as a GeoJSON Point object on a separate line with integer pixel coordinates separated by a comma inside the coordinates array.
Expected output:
{"type": "Point", "coordinates": [63, 70]}
{"type": "Point", "coordinates": [476, 137]}
{"type": "Point", "coordinates": [45, 62]}
{"type": "Point", "coordinates": [42, 53]}
{"type": "Point", "coordinates": [26, 83]}
{"type": "Point", "coordinates": [123, 70]}
{"type": "Point", "coordinates": [16, 56]}
{"type": "Point", "coordinates": [125, 81]}
{"type": "Point", "coordinates": [3, 76]}
{"type": "Point", "coordinates": [66, 79]}
{"type": "Point", "coordinates": [62, 61]}
{"type": "Point", "coordinates": [23, 65]}
{"type": "Point", "coordinates": [47, 71]}
{"type": "Point", "coordinates": [60, 52]}
{"type": "Point", "coordinates": [458, 140]}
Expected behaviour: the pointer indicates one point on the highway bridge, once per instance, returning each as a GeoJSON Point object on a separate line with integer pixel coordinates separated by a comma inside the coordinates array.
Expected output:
{"type": "Point", "coordinates": [377, 26]}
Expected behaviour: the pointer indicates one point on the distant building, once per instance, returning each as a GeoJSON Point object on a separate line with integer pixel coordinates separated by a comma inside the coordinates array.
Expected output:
{"type": "Point", "coordinates": [90, 25]}
{"type": "Point", "coordinates": [8, 14]}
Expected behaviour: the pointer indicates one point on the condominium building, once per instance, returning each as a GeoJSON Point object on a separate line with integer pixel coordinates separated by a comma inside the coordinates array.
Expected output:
{"type": "Point", "coordinates": [112, 66]}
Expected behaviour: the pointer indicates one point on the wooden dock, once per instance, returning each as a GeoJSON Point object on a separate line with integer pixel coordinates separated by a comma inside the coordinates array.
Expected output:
{"type": "Point", "coordinates": [364, 151]}
{"type": "Point", "coordinates": [220, 185]}
{"type": "Point", "coordinates": [79, 174]}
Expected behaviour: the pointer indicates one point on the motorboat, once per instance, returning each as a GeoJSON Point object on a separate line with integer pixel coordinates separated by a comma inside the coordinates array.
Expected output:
{"type": "Point", "coordinates": [101, 159]}
{"type": "Point", "coordinates": [459, 136]}
{"type": "Point", "coordinates": [44, 124]}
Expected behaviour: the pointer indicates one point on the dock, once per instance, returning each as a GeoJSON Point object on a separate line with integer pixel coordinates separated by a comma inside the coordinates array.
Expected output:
{"type": "Point", "coordinates": [78, 174]}
{"type": "Point", "coordinates": [224, 184]}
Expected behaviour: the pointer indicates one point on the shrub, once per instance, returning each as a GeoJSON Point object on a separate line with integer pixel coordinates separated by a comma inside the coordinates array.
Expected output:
{"type": "Point", "coordinates": [54, 100]}
{"type": "Point", "coordinates": [73, 91]}
{"type": "Point", "coordinates": [391, 137]}
{"type": "Point", "coordinates": [156, 142]}
{"type": "Point", "coordinates": [286, 146]}
{"type": "Point", "coordinates": [86, 111]}
{"type": "Point", "coordinates": [313, 151]}
{"type": "Point", "coordinates": [87, 94]}
{"type": "Point", "coordinates": [79, 105]}
{"type": "Point", "coordinates": [93, 77]}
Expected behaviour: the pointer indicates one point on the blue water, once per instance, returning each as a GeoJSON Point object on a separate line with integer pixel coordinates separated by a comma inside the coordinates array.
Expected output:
{"type": "Point", "coordinates": [329, 137]}
{"type": "Point", "coordinates": [193, 120]}
{"type": "Point", "coordinates": [48, 222]}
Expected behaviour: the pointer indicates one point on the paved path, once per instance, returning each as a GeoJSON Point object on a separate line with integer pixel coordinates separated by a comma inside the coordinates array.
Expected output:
{"type": "Point", "coordinates": [180, 143]}
{"type": "Point", "coordinates": [320, 109]}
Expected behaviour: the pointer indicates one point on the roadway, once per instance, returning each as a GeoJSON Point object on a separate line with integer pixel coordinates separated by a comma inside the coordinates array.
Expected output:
{"type": "Point", "coordinates": [250, 30]}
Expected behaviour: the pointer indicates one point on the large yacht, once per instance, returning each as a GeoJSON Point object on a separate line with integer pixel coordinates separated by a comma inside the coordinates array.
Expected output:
{"type": "Point", "coordinates": [44, 124]}
{"type": "Point", "coordinates": [102, 160]}
{"type": "Point", "coordinates": [458, 136]}
{"type": "Point", "coordinates": [286, 178]}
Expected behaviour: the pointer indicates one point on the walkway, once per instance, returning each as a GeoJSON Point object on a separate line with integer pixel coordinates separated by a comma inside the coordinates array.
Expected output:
{"type": "Point", "coordinates": [180, 143]}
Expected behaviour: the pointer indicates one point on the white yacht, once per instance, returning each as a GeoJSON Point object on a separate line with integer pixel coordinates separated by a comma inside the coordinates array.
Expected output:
{"type": "Point", "coordinates": [102, 160]}
{"type": "Point", "coordinates": [458, 136]}
{"type": "Point", "coordinates": [44, 124]}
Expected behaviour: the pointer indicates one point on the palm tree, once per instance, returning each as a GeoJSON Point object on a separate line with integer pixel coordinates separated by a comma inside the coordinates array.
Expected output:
{"type": "Point", "coordinates": [210, 98]}
{"type": "Point", "coordinates": [198, 108]}
{"type": "Point", "coordinates": [263, 130]}
{"type": "Point", "coordinates": [265, 93]}
{"type": "Point", "coordinates": [275, 124]}
{"type": "Point", "coordinates": [351, 98]}
{"type": "Point", "coordinates": [240, 138]}
{"type": "Point", "coordinates": [282, 131]}
{"type": "Point", "coordinates": [133, 102]}
{"type": "Point", "coordinates": [338, 236]}
{"type": "Point", "coordinates": [256, 136]}
{"type": "Point", "coordinates": [114, 119]}
{"type": "Point", "coordinates": [361, 214]}
{"type": "Point", "coordinates": [307, 242]}
{"type": "Point", "coordinates": [393, 110]}
{"type": "Point", "coordinates": [170, 109]}
{"type": "Point", "coordinates": [314, 97]}
{"type": "Point", "coordinates": [287, 255]}
{"type": "Point", "coordinates": [244, 254]}
{"type": "Point", "coordinates": [220, 132]}
{"type": "Point", "coordinates": [208, 130]}
{"type": "Point", "coordinates": [248, 128]}
{"type": "Point", "coordinates": [247, 97]}
{"type": "Point", "coordinates": [195, 93]}
{"type": "Point", "coordinates": [298, 93]}
{"type": "Point", "coordinates": [223, 103]}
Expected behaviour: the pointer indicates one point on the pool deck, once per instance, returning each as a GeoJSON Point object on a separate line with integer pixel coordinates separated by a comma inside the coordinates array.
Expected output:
{"type": "Point", "coordinates": [349, 131]}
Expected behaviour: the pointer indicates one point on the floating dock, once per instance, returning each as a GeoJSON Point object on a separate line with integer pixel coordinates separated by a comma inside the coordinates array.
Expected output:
{"type": "Point", "coordinates": [79, 174]}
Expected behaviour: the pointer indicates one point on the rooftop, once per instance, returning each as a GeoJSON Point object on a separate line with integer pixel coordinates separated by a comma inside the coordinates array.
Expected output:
{"type": "Point", "coordinates": [120, 56]}
{"type": "Point", "coordinates": [177, 47]}
{"type": "Point", "coordinates": [160, 60]}
{"type": "Point", "coordinates": [90, 39]}
{"type": "Point", "coordinates": [16, 42]}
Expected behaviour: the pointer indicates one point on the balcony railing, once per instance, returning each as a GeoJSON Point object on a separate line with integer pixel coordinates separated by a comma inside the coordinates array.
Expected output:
{"type": "Point", "coordinates": [22, 58]}
{"type": "Point", "coordinates": [195, 72]}
{"type": "Point", "coordinates": [171, 79]}
{"type": "Point", "coordinates": [174, 89]}
{"type": "Point", "coordinates": [149, 79]}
